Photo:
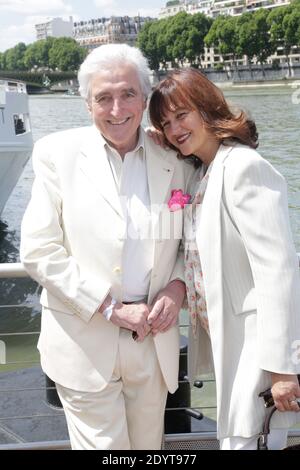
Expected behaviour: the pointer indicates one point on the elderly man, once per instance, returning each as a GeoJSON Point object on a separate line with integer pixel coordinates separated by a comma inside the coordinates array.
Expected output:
{"type": "Point", "coordinates": [100, 239]}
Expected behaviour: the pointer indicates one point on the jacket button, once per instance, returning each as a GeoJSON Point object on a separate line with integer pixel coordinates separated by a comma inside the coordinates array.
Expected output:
{"type": "Point", "coordinates": [117, 270]}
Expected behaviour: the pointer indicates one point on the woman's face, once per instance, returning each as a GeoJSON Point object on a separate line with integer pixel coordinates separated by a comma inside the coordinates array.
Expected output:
{"type": "Point", "coordinates": [184, 129]}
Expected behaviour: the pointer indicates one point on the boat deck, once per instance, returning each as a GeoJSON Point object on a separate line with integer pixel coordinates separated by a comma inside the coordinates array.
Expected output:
{"type": "Point", "coordinates": [29, 420]}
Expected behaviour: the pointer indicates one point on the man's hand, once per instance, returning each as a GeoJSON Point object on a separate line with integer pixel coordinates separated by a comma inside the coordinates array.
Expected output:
{"type": "Point", "coordinates": [285, 390]}
{"type": "Point", "coordinates": [166, 307]}
{"type": "Point", "coordinates": [133, 317]}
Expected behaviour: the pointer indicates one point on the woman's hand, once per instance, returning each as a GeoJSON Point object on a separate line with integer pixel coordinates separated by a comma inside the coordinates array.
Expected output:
{"type": "Point", "coordinates": [166, 307]}
{"type": "Point", "coordinates": [157, 136]}
{"type": "Point", "coordinates": [285, 390]}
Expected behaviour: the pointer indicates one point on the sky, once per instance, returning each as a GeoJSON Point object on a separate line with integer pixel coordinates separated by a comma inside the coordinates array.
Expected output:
{"type": "Point", "coordinates": [18, 17]}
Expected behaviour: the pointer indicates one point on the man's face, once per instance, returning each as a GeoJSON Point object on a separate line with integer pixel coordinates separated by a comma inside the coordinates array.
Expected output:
{"type": "Point", "coordinates": [116, 104]}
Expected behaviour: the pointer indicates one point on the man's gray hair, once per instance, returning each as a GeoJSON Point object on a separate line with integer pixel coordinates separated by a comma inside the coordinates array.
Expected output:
{"type": "Point", "coordinates": [109, 56]}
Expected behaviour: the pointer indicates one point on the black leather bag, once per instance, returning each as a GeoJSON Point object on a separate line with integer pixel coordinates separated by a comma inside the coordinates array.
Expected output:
{"type": "Point", "coordinates": [262, 441]}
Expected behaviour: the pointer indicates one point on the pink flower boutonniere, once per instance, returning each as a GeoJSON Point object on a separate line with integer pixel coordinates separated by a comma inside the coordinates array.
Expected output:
{"type": "Point", "coordinates": [178, 200]}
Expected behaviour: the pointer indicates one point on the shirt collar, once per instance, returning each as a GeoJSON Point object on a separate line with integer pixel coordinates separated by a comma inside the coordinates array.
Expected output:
{"type": "Point", "coordinates": [139, 148]}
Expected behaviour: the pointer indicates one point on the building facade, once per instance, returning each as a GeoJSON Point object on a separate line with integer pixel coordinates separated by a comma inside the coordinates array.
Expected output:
{"type": "Point", "coordinates": [172, 8]}
{"type": "Point", "coordinates": [214, 8]}
{"type": "Point", "coordinates": [54, 27]}
{"type": "Point", "coordinates": [99, 31]}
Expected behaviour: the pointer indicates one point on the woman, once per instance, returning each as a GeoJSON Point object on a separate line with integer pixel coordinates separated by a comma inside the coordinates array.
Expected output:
{"type": "Point", "coordinates": [241, 267]}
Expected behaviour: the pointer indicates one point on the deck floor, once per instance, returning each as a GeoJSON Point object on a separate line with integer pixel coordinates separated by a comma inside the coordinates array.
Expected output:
{"type": "Point", "coordinates": [26, 416]}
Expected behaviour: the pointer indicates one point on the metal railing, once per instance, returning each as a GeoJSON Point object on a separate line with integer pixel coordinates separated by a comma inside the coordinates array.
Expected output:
{"type": "Point", "coordinates": [13, 271]}
{"type": "Point", "coordinates": [17, 270]}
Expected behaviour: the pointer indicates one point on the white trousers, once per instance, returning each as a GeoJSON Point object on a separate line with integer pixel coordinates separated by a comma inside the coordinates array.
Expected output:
{"type": "Point", "coordinates": [129, 412]}
{"type": "Point", "coordinates": [276, 440]}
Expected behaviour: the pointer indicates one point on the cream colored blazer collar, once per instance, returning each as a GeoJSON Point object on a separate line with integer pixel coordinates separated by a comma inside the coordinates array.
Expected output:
{"type": "Point", "coordinates": [209, 234]}
{"type": "Point", "coordinates": [160, 169]}
{"type": "Point", "coordinates": [95, 166]}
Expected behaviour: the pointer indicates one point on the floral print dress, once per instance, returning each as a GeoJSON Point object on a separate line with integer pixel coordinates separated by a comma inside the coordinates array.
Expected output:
{"type": "Point", "coordinates": [193, 271]}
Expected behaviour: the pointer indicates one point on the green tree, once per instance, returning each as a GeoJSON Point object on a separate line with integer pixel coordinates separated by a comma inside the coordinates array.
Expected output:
{"type": "Point", "coordinates": [212, 38]}
{"type": "Point", "coordinates": [37, 53]}
{"type": "Point", "coordinates": [219, 37]}
{"type": "Point", "coordinates": [264, 46]}
{"type": "Point", "coordinates": [253, 36]}
{"type": "Point", "coordinates": [65, 54]}
{"type": "Point", "coordinates": [161, 42]}
{"type": "Point", "coordinates": [2, 61]}
{"type": "Point", "coordinates": [14, 57]}
{"type": "Point", "coordinates": [192, 51]}
{"type": "Point", "coordinates": [176, 37]}
{"type": "Point", "coordinates": [184, 37]}
{"type": "Point", "coordinates": [291, 24]}
{"type": "Point", "coordinates": [229, 36]}
{"type": "Point", "coordinates": [152, 42]}
{"type": "Point", "coordinates": [246, 38]}
{"type": "Point", "coordinates": [198, 28]}
{"type": "Point", "coordinates": [147, 42]}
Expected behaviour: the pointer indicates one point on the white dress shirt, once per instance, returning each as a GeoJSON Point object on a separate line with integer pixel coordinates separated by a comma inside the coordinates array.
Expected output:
{"type": "Point", "coordinates": [130, 175]}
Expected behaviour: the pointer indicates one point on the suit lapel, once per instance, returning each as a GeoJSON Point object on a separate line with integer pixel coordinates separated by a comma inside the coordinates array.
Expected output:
{"type": "Point", "coordinates": [160, 172]}
{"type": "Point", "coordinates": [209, 235]}
{"type": "Point", "coordinates": [95, 165]}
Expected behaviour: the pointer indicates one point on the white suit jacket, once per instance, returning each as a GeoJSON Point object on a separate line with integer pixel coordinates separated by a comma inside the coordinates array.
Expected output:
{"type": "Point", "coordinates": [252, 286]}
{"type": "Point", "coordinates": [71, 244]}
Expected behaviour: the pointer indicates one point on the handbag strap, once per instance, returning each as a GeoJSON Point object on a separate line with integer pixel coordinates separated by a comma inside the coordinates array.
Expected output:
{"type": "Point", "coordinates": [262, 441]}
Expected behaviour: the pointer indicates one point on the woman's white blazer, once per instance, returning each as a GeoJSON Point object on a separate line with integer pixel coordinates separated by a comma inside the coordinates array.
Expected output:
{"type": "Point", "coordinates": [252, 286]}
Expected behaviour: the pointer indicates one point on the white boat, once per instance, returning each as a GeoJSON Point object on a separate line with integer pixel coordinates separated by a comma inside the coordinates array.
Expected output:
{"type": "Point", "coordinates": [15, 135]}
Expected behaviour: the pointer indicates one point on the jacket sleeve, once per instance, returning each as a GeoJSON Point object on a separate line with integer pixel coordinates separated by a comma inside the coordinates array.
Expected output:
{"type": "Point", "coordinates": [257, 200]}
{"type": "Point", "coordinates": [42, 243]}
{"type": "Point", "coordinates": [178, 271]}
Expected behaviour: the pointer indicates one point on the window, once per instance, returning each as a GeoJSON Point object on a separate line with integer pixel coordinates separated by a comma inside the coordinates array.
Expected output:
{"type": "Point", "coordinates": [20, 125]}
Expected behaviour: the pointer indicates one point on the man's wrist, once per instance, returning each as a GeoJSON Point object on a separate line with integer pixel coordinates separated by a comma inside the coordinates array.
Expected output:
{"type": "Point", "coordinates": [178, 283]}
{"type": "Point", "coordinates": [108, 311]}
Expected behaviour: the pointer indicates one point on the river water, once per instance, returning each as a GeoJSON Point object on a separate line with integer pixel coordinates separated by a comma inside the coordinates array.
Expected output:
{"type": "Point", "coordinates": [277, 118]}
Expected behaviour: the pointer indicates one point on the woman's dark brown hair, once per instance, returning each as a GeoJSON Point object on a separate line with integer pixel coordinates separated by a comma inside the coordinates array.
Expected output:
{"type": "Point", "coordinates": [189, 88]}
